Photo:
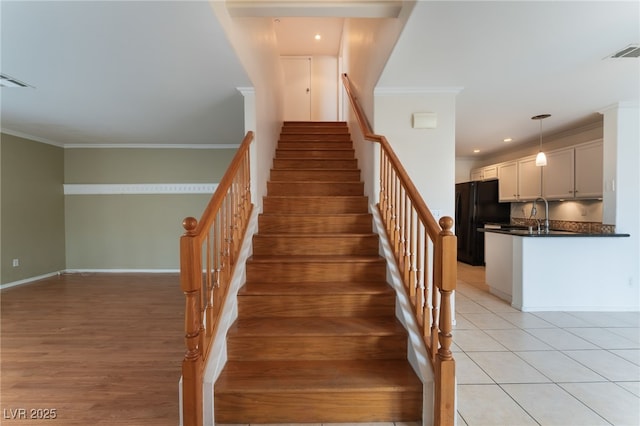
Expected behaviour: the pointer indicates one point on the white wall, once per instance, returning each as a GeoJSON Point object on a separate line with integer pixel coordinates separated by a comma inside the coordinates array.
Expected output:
{"type": "Point", "coordinates": [621, 201]}
{"type": "Point", "coordinates": [365, 49]}
{"type": "Point", "coordinates": [428, 155]}
{"type": "Point", "coordinates": [463, 169]}
{"type": "Point", "coordinates": [255, 43]}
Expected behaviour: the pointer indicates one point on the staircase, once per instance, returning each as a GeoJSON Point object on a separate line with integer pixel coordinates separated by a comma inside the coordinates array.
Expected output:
{"type": "Point", "coordinates": [316, 339]}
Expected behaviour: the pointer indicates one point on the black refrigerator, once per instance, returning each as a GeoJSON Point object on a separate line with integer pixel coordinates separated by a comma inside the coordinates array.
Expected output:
{"type": "Point", "coordinates": [477, 204]}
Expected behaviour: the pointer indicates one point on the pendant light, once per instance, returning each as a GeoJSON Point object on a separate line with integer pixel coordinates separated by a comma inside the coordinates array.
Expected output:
{"type": "Point", "coordinates": [541, 159]}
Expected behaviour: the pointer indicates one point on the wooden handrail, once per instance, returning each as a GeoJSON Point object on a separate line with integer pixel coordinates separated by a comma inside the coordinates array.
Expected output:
{"type": "Point", "coordinates": [412, 230]}
{"type": "Point", "coordinates": [365, 128]}
{"type": "Point", "coordinates": [208, 253]}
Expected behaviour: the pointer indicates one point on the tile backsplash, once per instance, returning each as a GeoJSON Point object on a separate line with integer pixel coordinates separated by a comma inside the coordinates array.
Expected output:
{"type": "Point", "coordinates": [572, 226]}
{"type": "Point", "coordinates": [575, 216]}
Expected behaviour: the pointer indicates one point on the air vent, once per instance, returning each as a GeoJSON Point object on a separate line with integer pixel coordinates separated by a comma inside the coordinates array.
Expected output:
{"type": "Point", "coordinates": [631, 51]}
{"type": "Point", "coordinates": [7, 81]}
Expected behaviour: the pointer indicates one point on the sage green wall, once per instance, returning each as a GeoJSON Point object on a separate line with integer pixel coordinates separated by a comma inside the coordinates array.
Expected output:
{"type": "Point", "coordinates": [32, 220]}
{"type": "Point", "coordinates": [145, 165]}
{"type": "Point", "coordinates": [127, 231]}
{"type": "Point", "coordinates": [134, 231]}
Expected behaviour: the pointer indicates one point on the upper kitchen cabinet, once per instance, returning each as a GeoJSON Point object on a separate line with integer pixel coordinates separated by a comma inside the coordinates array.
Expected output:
{"type": "Point", "coordinates": [573, 173]}
{"type": "Point", "coordinates": [558, 175]}
{"type": "Point", "coordinates": [485, 173]}
{"type": "Point", "coordinates": [589, 167]}
{"type": "Point", "coordinates": [529, 179]}
{"type": "Point", "coordinates": [519, 180]}
{"type": "Point", "coordinates": [508, 181]}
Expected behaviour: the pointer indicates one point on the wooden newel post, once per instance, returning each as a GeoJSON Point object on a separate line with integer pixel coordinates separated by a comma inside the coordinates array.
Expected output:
{"type": "Point", "coordinates": [445, 365]}
{"type": "Point", "coordinates": [190, 282]}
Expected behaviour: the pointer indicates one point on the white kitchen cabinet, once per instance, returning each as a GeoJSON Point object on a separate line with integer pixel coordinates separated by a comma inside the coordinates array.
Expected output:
{"type": "Point", "coordinates": [476, 174]}
{"type": "Point", "coordinates": [574, 172]}
{"type": "Point", "coordinates": [519, 180]}
{"type": "Point", "coordinates": [485, 173]}
{"type": "Point", "coordinates": [558, 175]}
{"type": "Point", "coordinates": [588, 170]}
{"type": "Point", "coordinates": [508, 181]}
{"type": "Point", "coordinates": [529, 179]}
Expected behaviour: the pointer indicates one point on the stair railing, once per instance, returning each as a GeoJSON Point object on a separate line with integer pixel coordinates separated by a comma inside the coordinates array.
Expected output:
{"type": "Point", "coordinates": [208, 252]}
{"type": "Point", "coordinates": [413, 232]}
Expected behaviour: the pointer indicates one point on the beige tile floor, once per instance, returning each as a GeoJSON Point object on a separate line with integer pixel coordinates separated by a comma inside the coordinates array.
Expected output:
{"type": "Point", "coordinates": [543, 368]}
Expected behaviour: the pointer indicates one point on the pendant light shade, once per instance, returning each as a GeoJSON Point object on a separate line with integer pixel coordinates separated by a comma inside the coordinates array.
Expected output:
{"type": "Point", "coordinates": [541, 158]}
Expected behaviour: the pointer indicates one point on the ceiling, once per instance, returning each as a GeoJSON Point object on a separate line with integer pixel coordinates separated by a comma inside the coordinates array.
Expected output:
{"type": "Point", "coordinates": [123, 72]}
{"type": "Point", "coordinates": [296, 36]}
{"type": "Point", "coordinates": [517, 59]}
{"type": "Point", "coordinates": [120, 72]}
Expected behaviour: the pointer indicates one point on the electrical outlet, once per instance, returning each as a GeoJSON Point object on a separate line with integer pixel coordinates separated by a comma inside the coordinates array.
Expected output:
{"type": "Point", "coordinates": [16, 263]}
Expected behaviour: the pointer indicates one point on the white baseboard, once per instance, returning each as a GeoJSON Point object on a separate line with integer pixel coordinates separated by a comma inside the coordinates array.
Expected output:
{"type": "Point", "coordinates": [29, 280]}
{"type": "Point", "coordinates": [121, 271]}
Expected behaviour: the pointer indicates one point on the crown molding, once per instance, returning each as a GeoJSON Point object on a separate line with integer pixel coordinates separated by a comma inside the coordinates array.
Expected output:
{"type": "Point", "coordinates": [246, 90]}
{"type": "Point", "coordinates": [117, 145]}
{"type": "Point", "coordinates": [31, 137]}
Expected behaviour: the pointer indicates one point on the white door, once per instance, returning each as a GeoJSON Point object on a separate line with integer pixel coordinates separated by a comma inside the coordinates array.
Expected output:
{"type": "Point", "coordinates": [297, 88]}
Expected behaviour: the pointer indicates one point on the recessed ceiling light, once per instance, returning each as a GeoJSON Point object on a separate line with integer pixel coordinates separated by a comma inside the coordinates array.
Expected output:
{"type": "Point", "coordinates": [318, 37]}
{"type": "Point", "coordinates": [475, 151]}
{"type": "Point", "coordinates": [507, 140]}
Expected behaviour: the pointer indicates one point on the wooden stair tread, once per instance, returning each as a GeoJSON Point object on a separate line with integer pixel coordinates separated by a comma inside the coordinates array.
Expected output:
{"type": "Point", "coordinates": [313, 182]}
{"type": "Point", "coordinates": [316, 236]}
{"type": "Point", "coordinates": [318, 376]}
{"type": "Point", "coordinates": [314, 224]}
{"type": "Point", "coordinates": [325, 159]}
{"type": "Point", "coordinates": [311, 326]}
{"type": "Point", "coordinates": [314, 215]}
{"type": "Point", "coordinates": [316, 339]}
{"type": "Point", "coordinates": [315, 259]}
{"type": "Point", "coordinates": [315, 288]}
{"type": "Point", "coordinates": [314, 123]}
{"type": "Point", "coordinates": [304, 148]}
{"type": "Point", "coordinates": [317, 197]}
{"type": "Point", "coordinates": [316, 169]}
{"type": "Point", "coordinates": [305, 163]}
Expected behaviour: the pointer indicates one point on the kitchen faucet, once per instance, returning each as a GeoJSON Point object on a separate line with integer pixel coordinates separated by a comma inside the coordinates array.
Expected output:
{"type": "Point", "coordinates": [534, 212]}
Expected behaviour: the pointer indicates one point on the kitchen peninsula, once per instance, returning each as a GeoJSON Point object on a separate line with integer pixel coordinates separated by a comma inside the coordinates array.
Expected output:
{"type": "Point", "coordinates": [560, 271]}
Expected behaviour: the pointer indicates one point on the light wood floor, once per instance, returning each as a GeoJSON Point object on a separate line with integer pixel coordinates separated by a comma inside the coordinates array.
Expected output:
{"type": "Point", "coordinates": [101, 349]}
{"type": "Point", "coordinates": [473, 275]}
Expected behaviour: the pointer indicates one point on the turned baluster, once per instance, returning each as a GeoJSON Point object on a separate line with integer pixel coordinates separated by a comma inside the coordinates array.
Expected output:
{"type": "Point", "coordinates": [400, 229]}
{"type": "Point", "coordinates": [420, 268]}
{"type": "Point", "coordinates": [413, 281]}
{"type": "Point", "coordinates": [408, 218]}
{"type": "Point", "coordinates": [382, 201]}
{"type": "Point", "coordinates": [390, 206]}
{"type": "Point", "coordinates": [435, 315]}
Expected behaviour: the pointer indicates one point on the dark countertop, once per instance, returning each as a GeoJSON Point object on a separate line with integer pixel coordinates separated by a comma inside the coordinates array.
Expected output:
{"type": "Point", "coordinates": [524, 232]}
